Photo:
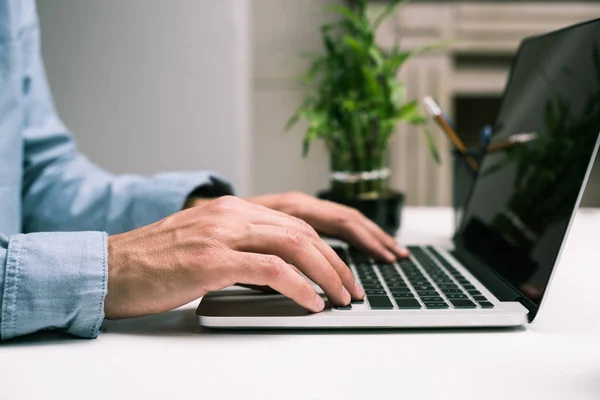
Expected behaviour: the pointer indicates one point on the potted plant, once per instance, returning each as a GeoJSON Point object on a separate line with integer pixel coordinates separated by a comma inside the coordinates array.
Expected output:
{"type": "Point", "coordinates": [353, 104]}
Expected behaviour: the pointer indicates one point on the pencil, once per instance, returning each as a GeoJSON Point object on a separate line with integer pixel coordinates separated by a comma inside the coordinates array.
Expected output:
{"type": "Point", "coordinates": [436, 113]}
{"type": "Point", "coordinates": [512, 141]}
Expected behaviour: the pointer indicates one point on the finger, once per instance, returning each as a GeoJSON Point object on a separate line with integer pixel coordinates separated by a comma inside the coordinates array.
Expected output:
{"type": "Point", "coordinates": [272, 271]}
{"type": "Point", "coordinates": [357, 235]}
{"type": "Point", "coordinates": [258, 288]}
{"type": "Point", "coordinates": [385, 239]}
{"type": "Point", "coordinates": [350, 283]}
{"type": "Point", "coordinates": [298, 249]}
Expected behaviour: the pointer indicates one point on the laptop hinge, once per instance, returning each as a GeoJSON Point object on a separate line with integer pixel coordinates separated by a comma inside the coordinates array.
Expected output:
{"type": "Point", "coordinates": [499, 287]}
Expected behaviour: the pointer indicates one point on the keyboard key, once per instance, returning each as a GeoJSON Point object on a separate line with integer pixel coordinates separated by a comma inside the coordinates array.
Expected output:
{"type": "Point", "coordinates": [448, 286]}
{"type": "Point", "coordinates": [480, 298]}
{"type": "Point", "coordinates": [348, 307]}
{"type": "Point", "coordinates": [435, 299]}
{"type": "Point", "coordinates": [456, 296]}
{"type": "Point", "coordinates": [408, 304]}
{"type": "Point", "coordinates": [397, 286]}
{"type": "Point", "coordinates": [358, 301]}
{"type": "Point", "coordinates": [380, 302]}
{"type": "Point", "coordinates": [375, 292]}
{"type": "Point", "coordinates": [486, 304]}
{"type": "Point", "coordinates": [370, 278]}
{"type": "Point", "coordinates": [469, 287]}
{"type": "Point", "coordinates": [474, 292]}
{"type": "Point", "coordinates": [420, 283]}
{"type": "Point", "coordinates": [426, 293]}
{"type": "Point", "coordinates": [423, 287]}
{"type": "Point", "coordinates": [403, 295]}
{"type": "Point", "coordinates": [394, 280]}
{"type": "Point", "coordinates": [372, 286]}
{"type": "Point", "coordinates": [452, 291]}
{"type": "Point", "coordinates": [433, 306]}
{"type": "Point", "coordinates": [463, 304]}
{"type": "Point", "coordinates": [400, 290]}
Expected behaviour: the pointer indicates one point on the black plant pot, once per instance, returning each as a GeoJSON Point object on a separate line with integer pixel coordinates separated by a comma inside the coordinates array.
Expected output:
{"type": "Point", "coordinates": [385, 211]}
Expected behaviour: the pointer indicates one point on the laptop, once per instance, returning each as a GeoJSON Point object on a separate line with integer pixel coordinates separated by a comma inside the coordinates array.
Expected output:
{"type": "Point", "coordinates": [514, 225]}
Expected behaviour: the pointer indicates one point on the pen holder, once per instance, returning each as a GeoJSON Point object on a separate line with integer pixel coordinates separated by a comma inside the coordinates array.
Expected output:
{"type": "Point", "coordinates": [463, 178]}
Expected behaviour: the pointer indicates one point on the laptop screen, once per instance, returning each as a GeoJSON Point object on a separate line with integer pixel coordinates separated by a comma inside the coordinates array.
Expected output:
{"type": "Point", "coordinates": [525, 195]}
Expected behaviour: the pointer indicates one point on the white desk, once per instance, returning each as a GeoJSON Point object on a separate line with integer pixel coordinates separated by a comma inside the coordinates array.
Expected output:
{"type": "Point", "coordinates": [168, 356]}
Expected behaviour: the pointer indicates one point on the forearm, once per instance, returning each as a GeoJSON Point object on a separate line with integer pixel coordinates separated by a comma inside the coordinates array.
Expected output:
{"type": "Point", "coordinates": [73, 194]}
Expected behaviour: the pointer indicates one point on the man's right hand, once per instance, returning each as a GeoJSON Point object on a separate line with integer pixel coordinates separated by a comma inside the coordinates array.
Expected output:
{"type": "Point", "coordinates": [226, 241]}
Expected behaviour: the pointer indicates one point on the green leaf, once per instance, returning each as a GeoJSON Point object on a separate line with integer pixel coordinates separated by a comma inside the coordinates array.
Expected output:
{"type": "Point", "coordinates": [377, 57]}
{"type": "Point", "coordinates": [362, 7]}
{"type": "Point", "coordinates": [371, 80]}
{"type": "Point", "coordinates": [432, 146]}
{"type": "Point", "coordinates": [292, 122]}
{"type": "Point", "coordinates": [386, 12]}
{"type": "Point", "coordinates": [357, 46]}
{"type": "Point", "coordinates": [311, 134]}
{"type": "Point", "coordinates": [398, 91]}
{"type": "Point", "coordinates": [410, 113]}
{"type": "Point", "coordinates": [350, 15]}
{"type": "Point", "coordinates": [329, 45]}
{"type": "Point", "coordinates": [315, 67]}
{"type": "Point", "coordinates": [432, 47]}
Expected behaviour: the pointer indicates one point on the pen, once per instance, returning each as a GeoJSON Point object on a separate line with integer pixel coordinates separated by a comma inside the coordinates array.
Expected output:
{"type": "Point", "coordinates": [511, 141]}
{"type": "Point", "coordinates": [437, 115]}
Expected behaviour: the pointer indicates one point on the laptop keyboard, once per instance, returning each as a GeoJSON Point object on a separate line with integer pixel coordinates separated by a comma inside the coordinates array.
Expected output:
{"type": "Point", "coordinates": [406, 286]}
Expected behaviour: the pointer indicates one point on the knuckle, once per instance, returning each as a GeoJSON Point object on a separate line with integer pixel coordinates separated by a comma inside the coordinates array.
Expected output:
{"type": "Point", "coordinates": [296, 196]}
{"type": "Point", "coordinates": [354, 213]}
{"type": "Point", "coordinates": [305, 227]}
{"type": "Point", "coordinates": [273, 267]}
{"type": "Point", "coordinates": [295, 238]}
{"type": "Point", "coordinates": [226, 202]}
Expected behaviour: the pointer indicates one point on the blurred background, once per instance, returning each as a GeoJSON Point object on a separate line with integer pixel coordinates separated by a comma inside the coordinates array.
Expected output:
{"type": "Point", "coordinates": [203, 84]}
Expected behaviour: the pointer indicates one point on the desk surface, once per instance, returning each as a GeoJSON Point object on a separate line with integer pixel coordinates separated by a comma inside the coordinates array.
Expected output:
{"type": "Point", "coordinates": [168, 356]}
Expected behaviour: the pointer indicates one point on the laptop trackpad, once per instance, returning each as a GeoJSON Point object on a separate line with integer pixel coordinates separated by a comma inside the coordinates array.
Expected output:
{"type": "Point", "coordinates": [249, 303]}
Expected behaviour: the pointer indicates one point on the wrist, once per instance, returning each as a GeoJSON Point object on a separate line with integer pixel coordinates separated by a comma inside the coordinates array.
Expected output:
{"type": "Point", "coordinates": [194, 201]}
{"type": "Point", "coordinates": [114, 298]}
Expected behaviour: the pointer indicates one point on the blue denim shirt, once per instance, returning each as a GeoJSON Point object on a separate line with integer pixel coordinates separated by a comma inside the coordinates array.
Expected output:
{"type": "Point", "coordinates": [56, 207]}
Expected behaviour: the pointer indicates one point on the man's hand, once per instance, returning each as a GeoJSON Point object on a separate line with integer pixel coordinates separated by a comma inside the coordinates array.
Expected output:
{"type": "Point", "coordinates": [331, 219]}
{"type": "Point", "coordinates": [336, 220]}
{"type": "Point", "coordinates": [222, 242]}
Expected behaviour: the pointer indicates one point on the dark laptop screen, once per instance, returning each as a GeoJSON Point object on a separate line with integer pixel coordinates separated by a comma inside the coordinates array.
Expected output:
{"type": "Point", "coordinates": [524, 197]}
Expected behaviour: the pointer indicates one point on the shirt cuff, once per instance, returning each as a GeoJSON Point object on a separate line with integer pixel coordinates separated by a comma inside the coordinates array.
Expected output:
{"type": "Point", "coordinates": [166, 193]}
{"type": "Point", "coordinates": [54, 281]}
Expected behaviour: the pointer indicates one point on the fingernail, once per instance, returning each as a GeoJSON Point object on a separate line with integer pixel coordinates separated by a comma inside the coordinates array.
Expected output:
{"type": "Point", "coordinates": [346, 296]}
{"type": "Point", "coordinates": [319, 303]}
{"type": "Point", "coordinates": [402, 251]}
{"type": "Point", "coordinates": [389, 256]}
{"type": "Point", "coordinates": [359, 289]}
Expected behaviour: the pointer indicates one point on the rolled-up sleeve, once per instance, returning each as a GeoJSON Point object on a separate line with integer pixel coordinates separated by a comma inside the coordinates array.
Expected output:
{"type": "Point", "coordinates": [53, 281]}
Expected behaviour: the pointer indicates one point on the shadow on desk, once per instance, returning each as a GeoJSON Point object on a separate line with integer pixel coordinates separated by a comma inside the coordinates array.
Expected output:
{"type": "Point", "coordinates": [182, 323]}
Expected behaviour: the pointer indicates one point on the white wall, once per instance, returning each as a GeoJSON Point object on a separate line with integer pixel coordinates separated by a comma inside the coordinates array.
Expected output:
{"type": "Point", "coordinates": [154, 85]}
{"type": "Point", "coordinates": [282, 29]}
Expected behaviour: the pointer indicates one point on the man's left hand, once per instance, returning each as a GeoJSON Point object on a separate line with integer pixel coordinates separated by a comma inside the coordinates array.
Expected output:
{"type": "Point", "coordinates": [335, 220]}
